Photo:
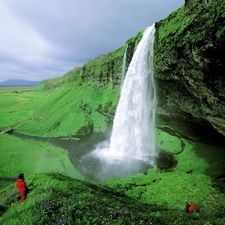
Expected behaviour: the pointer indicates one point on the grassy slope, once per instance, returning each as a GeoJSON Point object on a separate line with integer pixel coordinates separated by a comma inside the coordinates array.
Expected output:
{"type": "Point", "coordinates": [156, 198]}
{"type": "Point", "coordinates": [16, 107]}
{"type": "Point", "coordinates": [32, 157]}
{"type": "Point", "coordinates": [74, 108]}
{"type": "Point", "coordinates": [55, 199]}
{"type": "Point", "coordinates": [191, 155]}
{"type": "Point", "coordinates": [172, 192]}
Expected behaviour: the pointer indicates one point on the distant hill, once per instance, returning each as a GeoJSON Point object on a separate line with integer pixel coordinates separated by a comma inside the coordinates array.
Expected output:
{"type": "Point", "coordinates": [18, 82]}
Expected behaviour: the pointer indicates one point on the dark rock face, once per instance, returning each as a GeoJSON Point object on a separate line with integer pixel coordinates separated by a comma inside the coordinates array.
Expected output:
{"type": "Point", "coordinates": [190, 63]}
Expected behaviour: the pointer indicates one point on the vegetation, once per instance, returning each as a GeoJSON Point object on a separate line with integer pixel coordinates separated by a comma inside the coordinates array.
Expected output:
{"type": "Point", "coordinates": [155, 198]}
{"type": "Point", "coordinates": [84, 101]}
{"type": "Point", "coordinates": [106, 69]}
{"type": "Point", "coordinates": [16, 105]}
{"type": "Point", "coordinates": [55, 199]}
{"type": "Point", "coordinates": [195, 156]}
{"type": "Point", "coordinates": [181, 31]}
{"type": "Point", "coordinates": [159, 197]}
{"type": "Point", "coordinates": [30, 157]}
{"type": "Point", "coordinates": [172, 193]}
{"type": "Point", "coordinates": [74, 108]}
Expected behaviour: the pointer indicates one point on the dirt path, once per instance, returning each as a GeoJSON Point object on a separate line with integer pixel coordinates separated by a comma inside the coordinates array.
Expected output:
{"type": "Point", "coordinates": [9, 129]}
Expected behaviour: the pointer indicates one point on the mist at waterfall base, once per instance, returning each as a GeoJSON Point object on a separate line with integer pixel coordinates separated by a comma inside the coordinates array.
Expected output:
{"type": "Point", "coordinates": [131, 148]}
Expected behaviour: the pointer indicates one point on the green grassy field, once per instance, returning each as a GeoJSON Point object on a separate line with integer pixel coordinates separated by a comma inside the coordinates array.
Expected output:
{"type": "Point", "coordinates": [55, 199]}
{"type": "Point", "coordinates": [32, 157]}
{"type": "Point", "coordinates": [196, 156]}
{"type": "Point", "coordinates": [72, 109]}
{"type": "Point", "coordinates": [16, 108]}
{"type": "Point", "coordinates": [156, 198]}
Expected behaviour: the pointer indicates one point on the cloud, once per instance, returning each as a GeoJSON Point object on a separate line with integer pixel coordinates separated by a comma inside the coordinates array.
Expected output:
{"type": "Point", "coordinates": [46, 39]}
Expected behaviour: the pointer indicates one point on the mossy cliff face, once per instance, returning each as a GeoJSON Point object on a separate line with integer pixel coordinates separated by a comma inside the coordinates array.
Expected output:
{"type": "Point", "coordinates": [106, 69]}
{"type": "Point", "coordinates": [189, 66]}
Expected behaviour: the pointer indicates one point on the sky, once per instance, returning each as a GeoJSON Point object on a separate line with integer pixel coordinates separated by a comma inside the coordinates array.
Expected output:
{"type": "Point", "coordinates": [44, 39]}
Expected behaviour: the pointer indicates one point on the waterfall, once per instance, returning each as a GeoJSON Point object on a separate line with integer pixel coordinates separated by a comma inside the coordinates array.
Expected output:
{"type": "Point", "coordinates": [124, 67]}
{"type": "Point", "coordinates": [135, 47]}
{"type": "Point", "coordinates": [133, 128]}
{"type": "Point", "coordinates": [131, 148]}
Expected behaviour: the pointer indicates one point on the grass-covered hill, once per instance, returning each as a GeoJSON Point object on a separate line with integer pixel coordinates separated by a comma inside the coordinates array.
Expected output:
{"type": "Point", "coordinates": [156, 198]}
{"type": "Point", "coordinates": [60, 107]}
{"type": "Point", "coordinates": [55, 199]}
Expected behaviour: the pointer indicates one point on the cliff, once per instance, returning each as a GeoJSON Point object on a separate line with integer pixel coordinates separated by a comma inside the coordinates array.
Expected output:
{"type": "Point", "coordinates": [189, 65]}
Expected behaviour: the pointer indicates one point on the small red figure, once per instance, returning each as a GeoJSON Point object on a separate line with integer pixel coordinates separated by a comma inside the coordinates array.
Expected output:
{"type": "Point", "coordinates": [22, 187]}
{"type": "Point", "coordinates": [191, 208]}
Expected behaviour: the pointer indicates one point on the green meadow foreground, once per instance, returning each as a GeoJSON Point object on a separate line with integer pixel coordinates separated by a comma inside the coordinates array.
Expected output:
{"type": "Point", "coordinates": [155, 198]}
{"type": "Point", "coordinates": [59, 194]}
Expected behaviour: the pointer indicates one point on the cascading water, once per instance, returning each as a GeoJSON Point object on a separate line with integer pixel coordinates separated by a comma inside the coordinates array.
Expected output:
{"type": "Point", "coordinates": [124, 67]}
{"type": "Point", "coordinates": [131, 148]}
{"type": "Point", "coordinates": [135, 47]}
{"type": "Point", "coordinates": [133, 128]}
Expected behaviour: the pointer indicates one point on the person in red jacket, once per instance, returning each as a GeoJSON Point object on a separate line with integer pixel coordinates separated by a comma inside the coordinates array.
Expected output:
{"type": "Point", "coordinates": [22, 187]}
{"type": "Point", "coordinates": [191, 207]}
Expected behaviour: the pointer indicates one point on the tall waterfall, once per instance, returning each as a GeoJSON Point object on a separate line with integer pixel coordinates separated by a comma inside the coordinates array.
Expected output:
{"type": "Point", "coordinates": [124, 67]}
{"type": "Point", "coordinates": [131, 148]}
{"type": "Point", "coordinates": [133, 128]}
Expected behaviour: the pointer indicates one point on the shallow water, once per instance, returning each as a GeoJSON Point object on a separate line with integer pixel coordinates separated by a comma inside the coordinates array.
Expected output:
{"type": "Point", "coordinates": [92, 168]}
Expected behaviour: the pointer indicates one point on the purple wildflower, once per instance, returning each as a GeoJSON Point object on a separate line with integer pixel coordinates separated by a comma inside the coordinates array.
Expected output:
{"type": "Point", "coordinates": [59, 223]}
{"type": "Point", "coordinates": [45, 204]}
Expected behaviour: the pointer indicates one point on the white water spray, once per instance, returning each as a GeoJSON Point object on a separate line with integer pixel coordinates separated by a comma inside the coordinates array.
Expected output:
{"type": "Point", "coordinates": [132, 142]}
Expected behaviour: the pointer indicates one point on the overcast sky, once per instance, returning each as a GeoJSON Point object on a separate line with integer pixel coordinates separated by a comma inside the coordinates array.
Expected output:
{"type": "Point", "coordinates": [41, 39]}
